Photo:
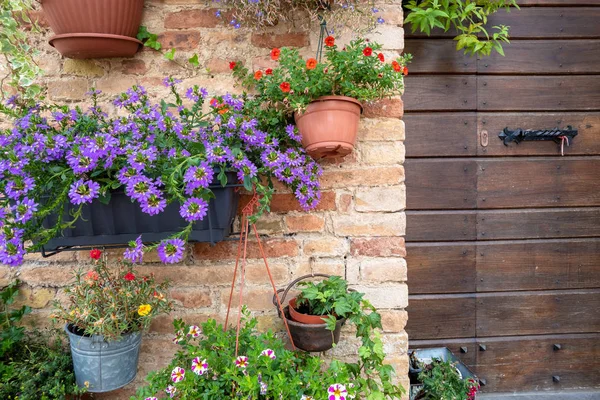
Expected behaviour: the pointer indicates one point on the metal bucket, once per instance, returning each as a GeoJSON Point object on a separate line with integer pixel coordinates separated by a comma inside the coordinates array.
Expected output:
{"type": "Point", "coordinates": [104, 366]}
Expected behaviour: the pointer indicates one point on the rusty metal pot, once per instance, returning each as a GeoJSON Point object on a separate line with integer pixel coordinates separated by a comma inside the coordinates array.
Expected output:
{"type": "Point", "coordinates": [309, 337]}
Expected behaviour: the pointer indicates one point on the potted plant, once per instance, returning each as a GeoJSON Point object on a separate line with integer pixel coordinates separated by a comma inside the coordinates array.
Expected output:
{"type": "Point", "coordinates": [325, 98]}
{"type": "Point", "coordinates": [442, 380]}
{"type": "Point", "coordinates": [94, 28]}
{"type": "Point", "coordinates": [207, 366]}
{"type": "Point", "coordinates": [165, 171]}
{"type": "Point", "coordinates": [107, 310]}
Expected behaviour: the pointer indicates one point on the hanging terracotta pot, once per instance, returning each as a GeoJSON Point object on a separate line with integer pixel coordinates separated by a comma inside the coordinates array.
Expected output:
{"type": "Point", "coordinates": [94, 28]}
{"type": "Point", "coordinates": [329, 126]}
{"type": "Point", "coordinates": [304, 318]}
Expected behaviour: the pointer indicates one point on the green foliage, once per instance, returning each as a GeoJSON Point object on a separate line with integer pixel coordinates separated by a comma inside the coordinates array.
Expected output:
{"type": "Point", "coordinates": [271, 372]}
{"type": "Point", "coordinates": [34, 366]}
{"type": "Point", "coordinates": [332, 298]}
{"type": "Point", "coordinates": [112, 301]}
{"type": "Point", "coordinates": [468, 17]}
{"type": "Point", "coordinates": [149, 39]}
{"type": "Point", "coordinates": [442, 381]}
{"type": "Point", "coordinates": [18, 54]}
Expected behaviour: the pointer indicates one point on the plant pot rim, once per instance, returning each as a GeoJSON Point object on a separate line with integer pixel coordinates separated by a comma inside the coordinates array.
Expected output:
{"type": "Point", "coordinates": [93, 36]}
{"type": "Point", "coordinates": [70, 329]}
{"type": "Point", "coordinates": [339, 322]}
{"type": "Point", "coordinates": [339, 98]}
{"type": "Point", "coordinates": [311, 316]}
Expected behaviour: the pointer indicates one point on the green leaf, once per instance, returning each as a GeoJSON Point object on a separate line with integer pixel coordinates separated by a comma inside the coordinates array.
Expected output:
{"type": "Point", "coordinates": [170, 55]}
{"type": "Point", "coordinates": [105, 198]}
{"type": "Point", "coordinates": [194, 60]}
{"type": "Point", "coordinates": [248, 183]}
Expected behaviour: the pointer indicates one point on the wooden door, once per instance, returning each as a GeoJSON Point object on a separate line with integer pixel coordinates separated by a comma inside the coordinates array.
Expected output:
{"type": "Point", "coordinates": [504, 241]}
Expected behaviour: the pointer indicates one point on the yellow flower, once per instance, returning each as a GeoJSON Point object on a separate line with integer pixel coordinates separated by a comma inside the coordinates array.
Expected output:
{"type": "Point", "coordinates": [144, 309]}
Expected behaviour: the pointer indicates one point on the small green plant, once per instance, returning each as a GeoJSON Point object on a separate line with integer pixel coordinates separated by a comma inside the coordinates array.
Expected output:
{"type": "Point", "coordinates": [17, 52]}
{"type": "Point", "coordinates": [442, 381]}
{"type": "Point", "coordinates": [468, 17]}
{"type": "Point", "coordinates": [33, 366]}
{"type": "Point", "coordinates": [207, 367]}
{"type": "Point", "coordinates": [112, 301]}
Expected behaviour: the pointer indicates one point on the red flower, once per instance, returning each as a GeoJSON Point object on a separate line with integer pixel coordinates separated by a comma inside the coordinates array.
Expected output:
{"type": "Point", "coordinates": [268, 71]}
{"type": "Point", "coordinates": [214, 102]}
{"type": "Point", "coordinates": [275, 54]}
{"type": "Point", "coordinates": [405, 71]}
{"type": "Point", "coordinates": [92, 276]}
{"type": "Point", "coordinates": [95, 254]}
{"type": "Point", "coordinates": [129, 277]}
{"type": "Point", "coordinates": [285, 87]}
{"type": "Point", "coordinates": [396, 66]}
{"type": "Point", "coordinates": [329, 41]}
{"type": "Point", "coordinates": [258, 75]}
{"type": "Point", "coordinates": [311, 63]}
{"type": "Point", "coordinates": [232, 65]}
{"type": "Point", "coordinates": [381, 57]}
{"type": "Point", "coordinates": [367, 51]}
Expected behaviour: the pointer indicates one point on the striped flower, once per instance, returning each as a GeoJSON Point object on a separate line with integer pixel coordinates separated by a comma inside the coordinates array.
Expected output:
{"type": "Point", "coordinates": [305, 397]}
{"type": "Point", "coordinates": [171, 391]}
{"type": "Point", "coordinates": [194, 331]}
{"type": "Point", "coordinates": [177, 374]}
{"type": "Point", "coordinates": [268, 353]}
{"type": "Point", "coordinates": [337, 392]}
{"type": "Point", "coordinates": [199, 367]}
{"type": "Point", "coordinates": [150, 398]}
{"type": "Point", "coordinates": [241, 362]}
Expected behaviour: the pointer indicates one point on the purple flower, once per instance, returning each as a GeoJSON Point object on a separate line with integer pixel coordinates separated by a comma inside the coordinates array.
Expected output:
{"type": "Point", "coordinates": [19, 186]}
{"type": "Point", "coordinates": [197, 177]}
{"type": "Point", "coordinates": [135, 252]}
{"type": "Point", "coordinates": [154, 204]}
{"type": "Point", "coordinates": [24, 210]}
{"type": "Point", "coordinates": [194, 209]}
{"type": "Point", "coordinates": [170, 251]}
{"type": "Point", "coordinates": [83, 191]}
{"type": "Point", "coordinates": [380, 20]}
{"type": "Point", "coordinates": [170, 81]}
{"type": "Point", "coordinates": [12, 252]}
{"type": "Point", "coordinates": [293, 133]}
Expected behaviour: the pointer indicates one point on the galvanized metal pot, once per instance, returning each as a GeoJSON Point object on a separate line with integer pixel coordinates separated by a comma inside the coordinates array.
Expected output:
{"type": "Point", "coordinates": [104, 366]}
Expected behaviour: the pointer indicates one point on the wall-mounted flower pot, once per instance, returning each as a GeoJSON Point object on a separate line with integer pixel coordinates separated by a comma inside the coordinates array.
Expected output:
{"type": "Point", "coordinates": [103, 366]}
{"type": "Point", "coordinates": [94, 28]}
{"type": "Point", "coordinates": [122, 220]}
{"type": "Point", "coordinates": [313, 337]}
{"type": "Point", "coordinates": [329, 126]}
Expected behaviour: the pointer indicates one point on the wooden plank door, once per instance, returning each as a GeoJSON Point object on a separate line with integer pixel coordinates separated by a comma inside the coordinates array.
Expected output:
{"type": "Point", "coordinates": [504, 241]}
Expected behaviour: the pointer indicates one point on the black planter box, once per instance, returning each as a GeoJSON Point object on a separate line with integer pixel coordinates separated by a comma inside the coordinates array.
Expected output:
{"type": "Point", "coordinates": [123, 220]}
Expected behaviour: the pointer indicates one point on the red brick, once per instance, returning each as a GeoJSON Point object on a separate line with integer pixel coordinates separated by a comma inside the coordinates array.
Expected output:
{"type": "Point", "coordinates": [390, 108]}
{"type": "Point", "coordinates": [345, 202]}
{"type": "Point", "coordinates": [378, 247]}
{"type": "Point", "coordinates": [192, 298]}
{"type": "Point", "coordinates": [47, 276]}
{"type": "Point", "coordinates": [305, 223]}
{"type": "Point", "coordinates": [192, 19]}
{"type": "Point", "coordinates": [285, 202]}
{"type": "Point", "coordinates": [270, 40]}
{"type": "Point", "coordinates": [228, 250]}
{"type": "Point", "coordinates": [218, 66]}
{"type": "Point", "coordinates": [134, 67]}
{"type": "Point", "coordinates": [373, 176]}
{"type": "Point", "coordinates": [180, 40]}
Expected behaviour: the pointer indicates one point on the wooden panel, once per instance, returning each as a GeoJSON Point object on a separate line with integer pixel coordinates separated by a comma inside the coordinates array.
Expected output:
{"type": "Point", "coordinates": [587, 141]}
{"type": "Point", "coordinates": [438, 56]}
{"type": "Point", "coordinates": [549, 22]}
{"type": "Point", "coordinates": [528, 363]}
{"type": "Point", "coordinates": [425, 136]}
{"type": "Point", "coordinates": [534, 313]}
{"type": "Point", "coordinates": [441, 268]}
{"type": "Point", "coordinates": [448, 316]}
{"type": "Point", "coordinates": [538, 224]}
{"type": "Point", "coordinates": [533, 265]}
{"type": "Point", "coordinates": [427, 226]}
{"type": "Point", "coordinates": [549, 56]}
{"type": "Point", "coordinates": [548, 182]}
{"type": "Point", "coordinates": [531, 93]}
{"type": "Point", "coordinates": [440, 93]}
{"type": "Point", "coordinates": [426, 179]}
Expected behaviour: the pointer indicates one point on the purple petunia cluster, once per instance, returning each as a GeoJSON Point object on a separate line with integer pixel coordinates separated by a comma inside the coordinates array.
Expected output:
{"type": "Point", "coordinates": [153, 152]}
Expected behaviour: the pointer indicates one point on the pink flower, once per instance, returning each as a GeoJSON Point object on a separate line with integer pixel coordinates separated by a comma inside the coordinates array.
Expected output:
{"type": "Point", "coordinates": [177, 374]}
{"type": "Point", "coordinates": [150, 398]}
{"type": "Point", "coordinates": [194, 331]}
{"type": "Point", "coordinates": [268, 353]}
{"type": "Point", "coordinates": [241, 362]}
{"type": "Point", "coordinates": [171, 390]}
{"type": "Point", "coordinates": [337, 392]}
{"type": "Point", "coordinates": [199, 367]}
{"type": "Point", "coordinates": [178, 338]}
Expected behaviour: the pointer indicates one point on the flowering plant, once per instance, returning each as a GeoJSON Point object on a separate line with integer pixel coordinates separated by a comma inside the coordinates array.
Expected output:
{"type": "Point", "coordinates": [359, 70]}
{"type": "Point", "coordinates": [208, 367]}
{"type": "Point", "coordinates": [442, 380]}
{"type": "Point", "coordinates": [112, 301]}
{"type": "Point", "coordinates": [158, 153]}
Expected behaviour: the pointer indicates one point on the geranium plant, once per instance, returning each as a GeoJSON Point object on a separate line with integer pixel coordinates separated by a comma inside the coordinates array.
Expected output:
{"type": "Point", "coordinates": [358, 70]}
{"type": "Point", "coordinates": [207, 367]}
{"type": "Point", "coordinates": [112, 301]}
{"type": "Point", "coordinates": [57, 158]}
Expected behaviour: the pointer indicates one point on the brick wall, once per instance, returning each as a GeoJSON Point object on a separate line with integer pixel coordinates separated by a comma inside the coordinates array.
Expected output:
{"type": "Point", "coordinates": [356, 231]}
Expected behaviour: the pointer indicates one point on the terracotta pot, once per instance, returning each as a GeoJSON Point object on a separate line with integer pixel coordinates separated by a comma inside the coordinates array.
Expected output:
{"type": "Point", "coordinates": [329, 126]}
{"type": "Point", "coordinates": [313, 337]}
{"type": "Point", "coordinates": [94, 28]}
{"type": "Point", "coordinates": [304, 318]}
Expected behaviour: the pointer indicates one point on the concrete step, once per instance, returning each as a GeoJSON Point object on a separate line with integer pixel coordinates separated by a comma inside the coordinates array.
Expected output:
{"type": "Point", "coordinates": [560, 395]}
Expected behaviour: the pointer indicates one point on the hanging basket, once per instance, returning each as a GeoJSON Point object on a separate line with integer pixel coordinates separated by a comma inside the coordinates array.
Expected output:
{"type": "Point", "coordinates": [94, 28]}
{"type": "Point", "coordinates": [122, 220]}
{"type": "Point", "coordinates": [309, 337]}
